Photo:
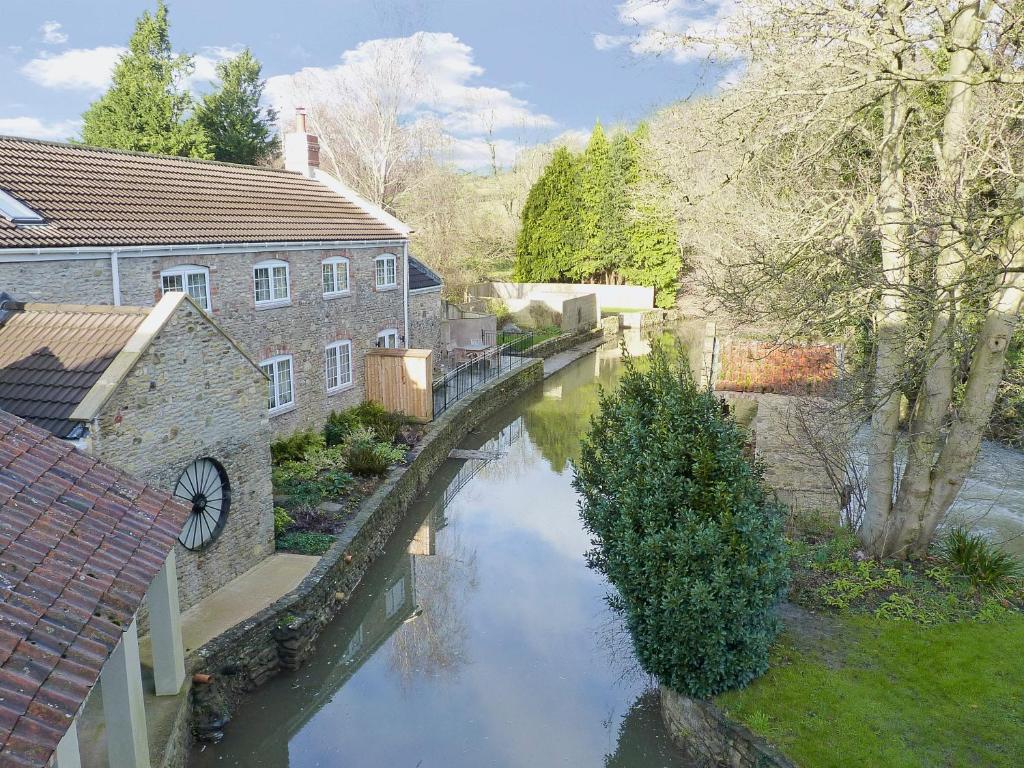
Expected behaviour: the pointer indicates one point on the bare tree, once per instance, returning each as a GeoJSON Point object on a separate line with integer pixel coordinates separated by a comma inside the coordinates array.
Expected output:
{"type": "Point", "coordinates": [360, 112]}
{"type": "Point", "coordinates": [868, 168]}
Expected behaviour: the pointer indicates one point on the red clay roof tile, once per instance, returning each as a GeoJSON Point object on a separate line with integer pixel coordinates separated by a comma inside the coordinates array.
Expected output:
{"type": "Point", "coordinates": [74, 568]}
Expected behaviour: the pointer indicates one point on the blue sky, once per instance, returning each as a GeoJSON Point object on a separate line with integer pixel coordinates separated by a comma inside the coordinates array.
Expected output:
{"type": "Point", "coordinates": [542, 67]}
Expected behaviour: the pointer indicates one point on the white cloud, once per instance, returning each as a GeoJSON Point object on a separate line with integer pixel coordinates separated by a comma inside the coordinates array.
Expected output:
{"type": "Point", "coordinates": [34, 128]}
{"type": "Point", "coordinates": [474, 154]}
{"type": "Point", "coordinates": [86, 69]}
{"type": "Point", "coordinates": [51, 34]}
{"type": "Point", "coordinates": [605, 42]}
{"type": "Point", "coordinates": [432, 76]}
{"type": "Point", "coordinates": [683, 29]}
{"type": "Point", "coordinates": [206, 64]}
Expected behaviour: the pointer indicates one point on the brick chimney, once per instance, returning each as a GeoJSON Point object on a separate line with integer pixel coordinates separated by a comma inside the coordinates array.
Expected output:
{"type": "Point", "coordinates": [301, 148]}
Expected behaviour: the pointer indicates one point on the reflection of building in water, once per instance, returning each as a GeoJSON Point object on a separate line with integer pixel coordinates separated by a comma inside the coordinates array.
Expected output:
{"type": "Point", "coordinates": [501, 443]}
{"type": "Point", "coordinates": [385, 601]}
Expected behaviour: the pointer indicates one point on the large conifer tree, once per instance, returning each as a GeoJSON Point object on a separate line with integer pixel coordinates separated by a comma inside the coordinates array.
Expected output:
{"type": "Point", "coordinates": [237, 129]}
{"type": "Point", "coordinates": [146, 108]}
{"type": "Point", "coordinates": [594, 217]}
{"type": "Point", "coordinates": [551, 233]}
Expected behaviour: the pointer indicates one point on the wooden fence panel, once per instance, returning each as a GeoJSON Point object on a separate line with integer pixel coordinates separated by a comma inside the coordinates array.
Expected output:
{"type": "Point", "coordinates": [402, 380]}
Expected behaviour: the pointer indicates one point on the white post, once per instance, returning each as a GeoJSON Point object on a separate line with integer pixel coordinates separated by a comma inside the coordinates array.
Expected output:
{"type": "Point", "coordinates": [123, 707]}
{"type": "Point", "coordinates": [165, 630]}
{"type": "Point", "coordinates": [67, 754]}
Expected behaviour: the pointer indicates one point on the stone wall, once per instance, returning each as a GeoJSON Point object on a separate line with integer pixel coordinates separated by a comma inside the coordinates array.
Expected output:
{"type": "Point", "coordinates": [192, 395]}
{"type": "Point", "coordinates": [302, 328]}
{"type": "Point", "coordinates": [702, 730]}
{"type": "Point", "coordinates": [425, 314]}
{"type": "Point", "coordinates": [78, 281]}
{"type": "Point", "coordinates": [283, 635]}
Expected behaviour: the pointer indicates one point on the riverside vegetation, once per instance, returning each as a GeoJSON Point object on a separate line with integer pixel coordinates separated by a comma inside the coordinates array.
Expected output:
{"type": "Point", "coordinates": [341, 465]}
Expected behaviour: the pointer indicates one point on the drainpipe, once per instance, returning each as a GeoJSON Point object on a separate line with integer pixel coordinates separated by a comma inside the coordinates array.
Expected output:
{"type": "Point", "coordinates": [115, 279]}
{"type": "Point", "coordinates": [405, 253]}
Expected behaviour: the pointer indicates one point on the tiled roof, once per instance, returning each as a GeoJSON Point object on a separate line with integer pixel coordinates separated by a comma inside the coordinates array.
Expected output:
{"type": "Point", "coordinates": [421, 276]}
{"type": "Point", "coordinates": [80, 543]}
{"type": "Point", "coordinates": [52, 354]}
{"type": "Point", "coordinates": [103, 197]}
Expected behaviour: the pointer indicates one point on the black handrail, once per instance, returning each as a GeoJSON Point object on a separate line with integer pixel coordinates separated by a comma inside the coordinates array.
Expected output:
{"type": "Point", "coordinates": [457, 383]}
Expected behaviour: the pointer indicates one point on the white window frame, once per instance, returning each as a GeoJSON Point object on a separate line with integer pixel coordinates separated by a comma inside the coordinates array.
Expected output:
{"type": "Point", "coordinates": [275, 300]}
{"type": "Point", "coordinates": [336, 263]}
{"type": "Point", "coordinates": [274, 405]}
{"type": "Point", "coordinates": [343, 382]}
{"type": "Point", "coordinates": [384, 259]}
{"type": "Point", "coordinates": [383, 336]}
{"type": "Point", "coordinates": [184, 271]}
{"type": "Point", "coordinates": [394, 598]}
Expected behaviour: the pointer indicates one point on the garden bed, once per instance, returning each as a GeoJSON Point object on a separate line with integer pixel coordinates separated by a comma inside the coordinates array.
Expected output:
{"type": "Point", "coordinates": [321, 477]}
{"type": "Point", "coordinates": [891, 664]}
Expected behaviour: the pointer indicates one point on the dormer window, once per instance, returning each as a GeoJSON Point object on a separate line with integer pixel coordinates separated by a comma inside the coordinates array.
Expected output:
{"type": "Point", "coordinates": [17, 212]}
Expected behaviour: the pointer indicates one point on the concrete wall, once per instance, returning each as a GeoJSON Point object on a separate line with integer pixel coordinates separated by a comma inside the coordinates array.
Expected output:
{"type": "Point", "coordinates": [193, 395]}
{"type": "Point", "coordinates": [302, 329]}
{"type": "Point", "coordinates": [580, 314]}
{"type": "Point", "coordinates": [621, 296]}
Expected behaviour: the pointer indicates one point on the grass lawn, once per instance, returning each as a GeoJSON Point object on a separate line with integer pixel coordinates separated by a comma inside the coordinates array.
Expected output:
{"type": "Point", "coordinates": [894, 693]}
{"type": "Point", "coordinates": [890, 664]}
{"type": "Point", "coordinates": [539, 335]}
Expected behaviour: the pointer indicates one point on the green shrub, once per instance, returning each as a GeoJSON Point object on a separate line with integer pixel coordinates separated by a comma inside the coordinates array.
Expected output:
{"type": "Point", "coordinates": [683, 528]}
{"type": "Point", "coordinates": [375, 416]}
{"type": "Point", "coordinates": [305, 543]}
{"type": "Point", "coordinates": [978, 559]}
{"type": "Point", "coordinates": [296, 447]}
{"type": "Point", "coordinates": [366, 455]}
{"type": "Point", "coordinates": [321, 474]}
{"type": "Point", "coordinates": [282, 521]}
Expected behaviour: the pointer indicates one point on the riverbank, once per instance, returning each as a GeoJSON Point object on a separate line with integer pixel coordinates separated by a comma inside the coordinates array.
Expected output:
{"type": "Point", "coordinates": [283, 635]}
{"type": "Point", "coordinates": [898, 664]}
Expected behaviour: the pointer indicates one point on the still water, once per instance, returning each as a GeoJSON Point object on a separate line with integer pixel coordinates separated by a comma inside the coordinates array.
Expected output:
{"type": "Point", "coordinates": [480, 638]}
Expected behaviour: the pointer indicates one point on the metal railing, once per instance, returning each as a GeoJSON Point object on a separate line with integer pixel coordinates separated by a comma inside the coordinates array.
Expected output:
{"type": "Point", "coordinates": [490, 363]}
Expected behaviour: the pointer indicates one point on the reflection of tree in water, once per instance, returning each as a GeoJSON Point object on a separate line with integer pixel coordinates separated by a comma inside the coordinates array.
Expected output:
{"type": "Point", "coordinates": [556, 422]}
{"type": "Point", "coordinates": [643, 740]}
{"type": "Point", "coordinates": [434, 643]}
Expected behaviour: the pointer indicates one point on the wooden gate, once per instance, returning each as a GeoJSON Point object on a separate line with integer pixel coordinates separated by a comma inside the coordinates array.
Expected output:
{"type": "Point", "coordinates": [402, 380]}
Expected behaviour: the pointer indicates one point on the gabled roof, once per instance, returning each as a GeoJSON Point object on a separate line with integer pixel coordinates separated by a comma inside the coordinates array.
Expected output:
{"type": "Point", "coordinates": [104, 197]}
{"type": "Point", "coordinates": [60, 363]}
{"type": "Point", "coordinates": [80, 543]}
{"type": "Point", "coordinates": [422, 277]}
{"type": "Point", "coordinates": [51, 355]}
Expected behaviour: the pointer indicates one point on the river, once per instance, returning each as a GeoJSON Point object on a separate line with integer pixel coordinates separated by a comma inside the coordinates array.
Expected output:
{"type": "Point", "coordinates": [480, 638]}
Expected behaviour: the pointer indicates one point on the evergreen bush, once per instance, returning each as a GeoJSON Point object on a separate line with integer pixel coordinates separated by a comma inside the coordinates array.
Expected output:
{"type": "Point", "coordinates": [684, 529]}
{"type": "Point", "coordinates": [367, 455]}
{"type": "Point", "coordinates": [375, 416]}
{"type": "Point", "coordinates": [295, 447]}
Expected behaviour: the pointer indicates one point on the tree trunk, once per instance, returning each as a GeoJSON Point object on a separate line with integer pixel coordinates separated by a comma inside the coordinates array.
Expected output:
{"type": "Point", "coordinates": [891, 327]}
{"type": "Point", "coordinates": [932, 405]}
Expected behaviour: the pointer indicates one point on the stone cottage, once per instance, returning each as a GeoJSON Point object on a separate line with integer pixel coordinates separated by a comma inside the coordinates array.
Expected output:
{"type": "Point", "coordinates": [163, 393]}
{"type": "Point", "coordinates": [425, 307]}
{"type": "Point", "coordinates": [304, 274]}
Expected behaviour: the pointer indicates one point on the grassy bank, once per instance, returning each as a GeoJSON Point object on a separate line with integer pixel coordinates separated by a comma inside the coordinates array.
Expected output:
{"type": "Point", "coordinates": [891, 665]}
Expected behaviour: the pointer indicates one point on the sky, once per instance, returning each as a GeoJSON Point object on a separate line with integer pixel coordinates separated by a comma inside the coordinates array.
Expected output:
{"type": "Point", "coordinates": [523, 71]}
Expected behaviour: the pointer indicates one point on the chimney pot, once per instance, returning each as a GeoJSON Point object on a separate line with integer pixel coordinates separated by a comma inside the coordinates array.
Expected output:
{"type": "Point", "coordinates": [300, 120]}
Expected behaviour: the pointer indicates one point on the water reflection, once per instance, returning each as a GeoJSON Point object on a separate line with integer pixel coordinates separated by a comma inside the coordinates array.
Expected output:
{"type": "Point", "coordinates": [480, 637]}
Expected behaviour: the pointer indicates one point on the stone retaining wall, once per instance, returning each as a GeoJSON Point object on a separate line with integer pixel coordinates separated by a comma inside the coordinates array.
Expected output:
{"type": "Point", "coordinates": [713, 740]}
{"type": "Point", "coordinates": [284, 635]}
{"type": "Point", "coordinates": [608, 328]}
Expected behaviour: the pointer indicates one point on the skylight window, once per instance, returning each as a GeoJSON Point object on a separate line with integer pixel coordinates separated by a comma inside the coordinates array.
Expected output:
{"type": "Point", "coordinates": [17, 212]}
